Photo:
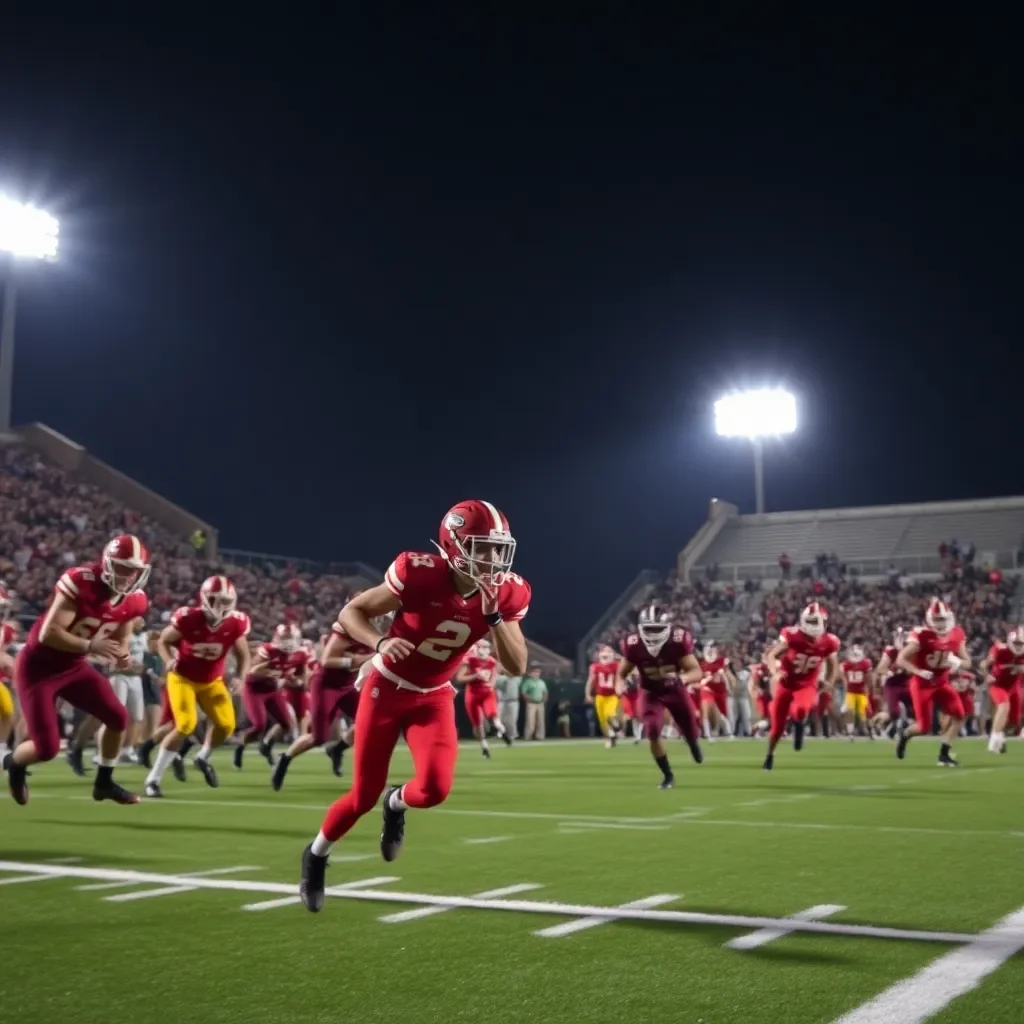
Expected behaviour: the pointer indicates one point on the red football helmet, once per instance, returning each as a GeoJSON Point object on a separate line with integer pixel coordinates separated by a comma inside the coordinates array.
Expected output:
{"type": "Point", "coordinates": [1015, 640]}
{"type": "Point", "coordinates": [125, 565]}
{"type": "Point", "coordinates": [5, 601]}
{"type": "Point", "coordinates": [654, 626]}
{"type": "Point", "coordinates": [813, 619]}
{"type": "Point", "coordinates": [939, 616]}
{"type": "Point", "coordinates": [287, 637]}
{"type": "Point", "coordinates": [475, 540]}
{"type": "Point", "coordinates": [217, 598]}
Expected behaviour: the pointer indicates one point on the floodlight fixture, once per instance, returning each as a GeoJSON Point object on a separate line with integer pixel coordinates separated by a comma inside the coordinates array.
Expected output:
{"type": "Point", "coordinates": [756, 414]}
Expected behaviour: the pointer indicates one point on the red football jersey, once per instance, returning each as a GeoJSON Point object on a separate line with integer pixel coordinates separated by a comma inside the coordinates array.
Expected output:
{"type": "Point", "coordinates": [440, 623]}
{"type": "Point", "coordinates": [98, 612]}
{"type": "Point", "coordinates": [857, 674]}
{"type": "Point", "coordinates": [963, 680]}
{"type": "Point", "coordinates": [482, 673]}
{"type": "Point", "coordinates": [280, 666]}
{"type": "Point", "coordinates": [340, 678]}
{"type": "Point", "coordinates": [661, 670]}
{"type": "Point", "coordinates": [604, 673]}
{"type": "Point", "coordinates": [933, 651]}
{"type": "Point", "coordinates": [896, 676]}
{"type": "Point", "coordinates": [761, 678]}
{"type": "Point", "coordinates": [7, 634]}
{"type": "Point", "coordinates": [714, 674]}
{"type": "Point", "coordinates": [802, 661]}
{"type": "Point", "coordinates": [1002, 661]}
{"type": "Point", "coordinates": [203, 649]}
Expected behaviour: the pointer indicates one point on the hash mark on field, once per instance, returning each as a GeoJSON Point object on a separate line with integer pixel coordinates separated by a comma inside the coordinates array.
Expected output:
{"type": "Point", "coordinates": [64, 860]}
{"type": "Point", "coordinates": [617, 825]}
{"type": "Point", "coordinates": [752, 940]}
{"type": "Point", "coordinates": [190, 874]}
{"type": "Point", "coordinates": [415, 915]}
{"type": "Point", "coordinates": [287, 901]}
{"type": "Point", "coordinates": [483, 841]}
{"type": "Point", "coordinates": [927, 992]}
{"type": "Point", "coordinates": [144, 894]}
{"type": "Point", "coordinates": [559, 931]}
{"type": "Point", "coordinates": [18, 879]}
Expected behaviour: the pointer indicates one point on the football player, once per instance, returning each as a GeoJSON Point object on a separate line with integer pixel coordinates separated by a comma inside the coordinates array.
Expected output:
{"type": "Point", "coordinates": [8, 634]}
{"type": "Point", "coordinates": [478, 673]}
{"type": "Point", "coordinates": [91, 613]}
{"type": "Point", "coordinates": [929, 657]}
{"type": "Point", "coordinates": [195, 648]}
{"type": "Point", "coordinates": [716, 683]}
{"type": "Point", "coordinates": [601, 692]}
{"type": "Point", "coordinates": [443, 604]}
{"type": "Point", "coordinates": [855, 673]}
{"type": "Point", "coordinates": [795, 663]}
{"type": "Point", "coordinates": [1004, 669]}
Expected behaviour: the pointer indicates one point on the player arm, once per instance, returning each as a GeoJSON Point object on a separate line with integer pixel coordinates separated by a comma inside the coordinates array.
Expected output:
{"type": "Point", "coordinates": [905, 661]}
{"type": "Point", "coordinates": [833, 671]}
{"type": "Point", "coordinates": [964, 655]}
{"type": "Point", "coordinates": [355, 618]}
{"type": "Point", "coordinates": [690, 671]}
{"type": "Point", "coordinates": [243, 657]}
{"type": "Point", "coordinates": [337, 654]}
{"type": "Point", "coordinates": [166, 647]}
{"type": "Point", "coordinates": [883, 669]}
{"type": "Point", "coordinates": [588, 691]}
{"type": "Point", "coordinates": [622, 673]}
{"type": "Point", "coordinates": [259, 666]}
{"type": "Point", "coordinates": [771, 658]}
{"type": "Point", "coordinates": [510, 647]}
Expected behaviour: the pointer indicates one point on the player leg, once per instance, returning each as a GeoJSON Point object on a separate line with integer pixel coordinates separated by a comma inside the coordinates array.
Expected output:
{"type": "Point", "coordinates": [429, 725]}
{"type": "Point", "coordinates": [1000, 698]}
{"type": "Point", "coordinates": [778, 716]}
{"type": "Point", "coordinates": [922, 701]}
{"type": "Point", "coordinates": [1014, 720]}
{"type": "Point", "coordinates": [490, 711]}
{"type": "Point", "coordinates": [165, 723]}
{"type": "Point", "coordinates": [475, 714]}
{"type": "Point", "coordinates": [135, 705]}
{"type": "Point", "coordinates": [764, 714]}
{"type": "Point", "coordinates": [181, 701]}
{"type": "Point", "coordinates": [950, 705]}
{"type": "Point", "coordinates": [6, 721]}
{"type": "Point", "coordinates": [84, 731]}
{"type": "Point", "coordinates": [215, 700]}
{"type": "Point", "coordinates": [254, 704]}
{"type": "Point", "coordinates": [324, 711]}
{"type": "Point", "coordinates": [721, 713]}
{"type": "Point", "coordinates": [378, 726]}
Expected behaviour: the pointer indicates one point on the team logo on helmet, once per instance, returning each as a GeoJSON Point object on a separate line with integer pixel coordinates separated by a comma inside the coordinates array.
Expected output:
{"type": "Point", "coordinates": [453, 521]}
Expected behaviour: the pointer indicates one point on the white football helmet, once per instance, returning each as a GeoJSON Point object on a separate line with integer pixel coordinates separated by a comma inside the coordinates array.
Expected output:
{"type": "Point", "coordinates": [654, 626]}
{"type": "Point", "coordinates": [217, 598]}
{"type": "Point", "coordinates": [482, 649]}
{"type": "Point", "coordinates": [1015, 640]}
{"type": "Point", "coordinates": [287, 637]}
{"type": "Point", "coordinates": [899, 638]}
{"type": "Point", "coordinates": [939, 616]}
{"type": "Point", "coordinates": [856, 652]}
{"type": "Point", "coordinates": [813, 619]}
{"type": "Point", "coordinates": [710, 651]}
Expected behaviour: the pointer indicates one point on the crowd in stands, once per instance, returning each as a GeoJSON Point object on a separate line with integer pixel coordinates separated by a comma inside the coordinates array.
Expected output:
{"type": "Point", "coordinates": [50, 521]}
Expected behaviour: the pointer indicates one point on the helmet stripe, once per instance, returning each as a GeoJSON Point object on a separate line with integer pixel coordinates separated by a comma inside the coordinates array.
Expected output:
{"type": "Point", "coordinates": [499, 523]}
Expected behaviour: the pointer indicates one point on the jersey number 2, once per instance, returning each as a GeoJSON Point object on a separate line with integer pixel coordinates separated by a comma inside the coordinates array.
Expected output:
{"type": "Point", "coordinates": [441, 648]}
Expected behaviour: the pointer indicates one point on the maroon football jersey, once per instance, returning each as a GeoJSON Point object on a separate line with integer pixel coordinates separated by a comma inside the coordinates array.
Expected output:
{"type": "Point", "coordinates": [658, 671]}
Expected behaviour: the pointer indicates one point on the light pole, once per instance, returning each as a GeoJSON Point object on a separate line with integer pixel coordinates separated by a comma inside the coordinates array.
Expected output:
{"type": "Point", "coordinates": [757, 414]}
{"type": "Point", "coordinates": [25, 232]}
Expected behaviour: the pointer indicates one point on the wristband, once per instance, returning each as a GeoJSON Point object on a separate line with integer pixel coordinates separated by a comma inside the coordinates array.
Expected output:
{"type": "Point", "coordinates": [346, 662]}
{"type": "Point", "coordinates": [493, 619]}
{"type": "Point", "coordinates": [379, 642]}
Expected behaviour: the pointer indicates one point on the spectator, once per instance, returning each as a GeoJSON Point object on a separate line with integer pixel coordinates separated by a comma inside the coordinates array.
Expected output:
{"type": "Point", "coordinates": [785, 565]}
{"type": "Point", "coordinates": [534, 693]}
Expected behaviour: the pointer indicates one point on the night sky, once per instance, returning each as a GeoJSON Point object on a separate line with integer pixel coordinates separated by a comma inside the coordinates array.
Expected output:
{"type": "Point", "coordinates": [320, 280]}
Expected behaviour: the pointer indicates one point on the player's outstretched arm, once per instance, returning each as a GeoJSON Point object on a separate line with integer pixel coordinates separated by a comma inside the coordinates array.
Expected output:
{"type": "Point", "coordinates": [510, 647]}
{"type": "Point", "coordinates": [356, 619]}
{"type": "Point", "coordinates": [337, 654]}
{"type": "Point", "coordinates": [166, 644]}
{"type": "Point", "coordinates": [689, 669]}
{"type": "Point", "coordinates": [54, 632]}
{"type": "Point", "coordinates": [834, 671]}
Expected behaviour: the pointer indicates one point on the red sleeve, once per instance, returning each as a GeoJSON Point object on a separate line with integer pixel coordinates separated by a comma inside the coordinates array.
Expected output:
{"type": "Point", "coordinates": [266, 651]}
{"type": "Point", "coordinates": [397, 575]}
{"type": "Point", "coordinates": [179, 620]}
{"type": "Point", "coordinates": [141, 604]}
{"type": "Point", "coordinates": [518, 602]}
{"type": "Point", "coordinates": [74, 581]}
{"type": "Point", "coordinates": [629, 642]}
{"type": "Point", "coordinates": [834, 643]}
{"type": "Point", "coordinates": [244, 624]}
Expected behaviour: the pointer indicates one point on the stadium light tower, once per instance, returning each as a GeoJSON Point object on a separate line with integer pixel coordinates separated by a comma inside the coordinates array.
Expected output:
{"type": "Point", "coordinates": [25, 233]}
{"type": "Point", "coordinates": [765, 412]}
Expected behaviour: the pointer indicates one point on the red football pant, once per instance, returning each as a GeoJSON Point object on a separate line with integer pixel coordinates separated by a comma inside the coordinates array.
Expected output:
{"type": "Point", "coordinates": [385, 713]}
{"type": "Point", "coordinates": [258, 705]}
{"type": "Point", "coordinates": [480, 706]}
{"type": "Point", "coordinates": [166, 714]}
{"type": "Point", "coordinates": [717, 697]}
{"type": "Point", "coordinates": [298, 700]}
{"type": "Point", "coordinates": [82, 687]}
{"type": "Point", "coordinates": [764, 706]}
{"type": "Point", "coordinates": [967, 700]}
{"type": "Point", "coordinates": [795, 704]}
{"type": "Point", "coordinates": [824, 702]}
{"type": "Point", "coordinates": [944, 696]}
{"type": "Point", "coordinates": [1007, 695]}
{"type": "Point", "coordinates": [673, 701]}
{"type": "Point", "coordinates": [328, 705]}
{"type": "Point", "coordinates": [628, 707]}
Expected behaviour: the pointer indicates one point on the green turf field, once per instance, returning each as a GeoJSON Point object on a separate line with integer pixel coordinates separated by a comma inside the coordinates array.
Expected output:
{"type": "Point", "coordinates": [904, 845]}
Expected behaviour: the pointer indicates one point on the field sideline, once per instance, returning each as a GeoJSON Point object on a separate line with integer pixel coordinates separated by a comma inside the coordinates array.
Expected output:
{"type": "Point", "coordinates": [557, 884]}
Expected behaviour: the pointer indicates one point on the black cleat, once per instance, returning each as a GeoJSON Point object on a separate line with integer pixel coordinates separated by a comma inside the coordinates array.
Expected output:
{"type": "Point", "coordinates": [798, 735]}
{"type": "Point", "coordinates": [948, 761]}
{"type": "Point", "coordinates": [337, 754]}
{"type": "Point", "coordinates": [76, 762]}
{"type": "Point", "coordinates": [267, 754]}
{"type": "Point", "coordinates": [279, 772]}
{"type": "Point", "coordinates": [392, 834]}
{"type": "Point", "coordinates": [153, 791]}
{"type": "Point", "coordinates": [178, 767]}
{"type": "Point", "coordinates": [16, 781]}
{"type": "Point", "coordinates": [311, 886]}
{"type": "Point", "coordinates": [209, 773]}
{"type": "Point", "coordinates": [696, 753]}
{"type": "Point", "coordinates": [239, 754]}
{"type": "Point", "coordinates": [486, 752]}
{"type": "Point", "coordinates": [112, 791]}
{"type": "Point", "coordinates": [901, 745]}
{"type": "Point", "coordinates": [145, 753]}
{"type": "Point", "coordinates": [668, 782]}
{"type": "Point", "coordinates": [769, 763]}
{"type": "Point", "coordinates": [506, 739]}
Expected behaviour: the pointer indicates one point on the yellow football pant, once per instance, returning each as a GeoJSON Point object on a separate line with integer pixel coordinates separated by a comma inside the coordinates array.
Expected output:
{"type": "Point", "coordinates": [6, 703]}
{"type": "Point", "coordinates": [606, 708]}
{"type": "Point", "coordinates": [183, 696]}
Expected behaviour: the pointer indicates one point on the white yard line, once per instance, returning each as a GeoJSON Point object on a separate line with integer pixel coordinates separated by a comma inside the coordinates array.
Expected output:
{"type": "Point", "coordinates": [415, 915]}
{"type": "Point", "coordinates": [559, 931]}
{"type": "Point", "coordinates": [212, 872]}
{"type": "Point", "coordinates": [616, 825]}
{"type": "Point", "coordinates": [752, 940]}
{"type": "Point", "coordinates": [815, 826]}
{"type": "Point", "coordinates": [64, 860]}
{"type": "Point", "coordinates": [145, 894]}
{"type": "Point", "coordinates": [926, 993]}
{"type": "Point", "coordinates": [486, 840]}
{"type": "Point", "coordinates": [287, 901]}
{"type": "Point", "coordinates": [20, 879]}
{"type": "Point", "coordinates": [513, 906]}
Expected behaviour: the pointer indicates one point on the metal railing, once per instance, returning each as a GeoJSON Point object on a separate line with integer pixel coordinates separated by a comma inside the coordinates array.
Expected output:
{"type": "Point", "coordinates": [914, 565]}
